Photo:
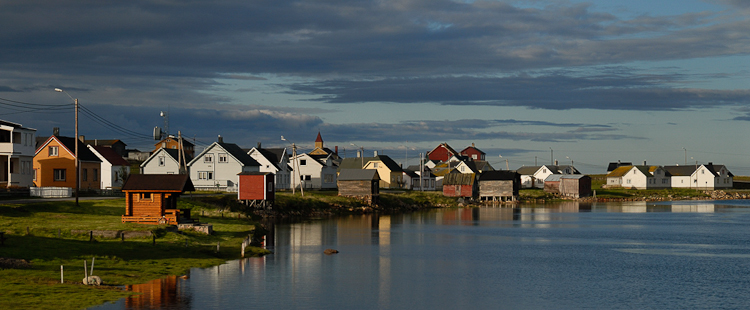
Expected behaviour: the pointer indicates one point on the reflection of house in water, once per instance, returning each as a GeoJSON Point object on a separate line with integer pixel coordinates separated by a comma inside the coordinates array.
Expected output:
{"type": "Point", "coordinates": [694, 208]}
{"type": "Point", "coordinates": [158, 294]}
{"type": "Point", "coordinates": [628, 207]}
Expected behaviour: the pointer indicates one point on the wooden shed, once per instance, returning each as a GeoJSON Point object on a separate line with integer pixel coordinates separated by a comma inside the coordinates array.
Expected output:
{"type": "Point", "coordinates": [152, 198]}
{"type": "Point", "coordinates": [457, 184]}
{"type": "Point", "coordinates": [575, 186]}
{"type": "Point", "coordinates": [256, 188]}
{"type": "Point", "coordinates": [359, 183]}
{"type": "Point", "coordinates": [501, 185]}
{"type": "Point", "coordinates": [552, 184]}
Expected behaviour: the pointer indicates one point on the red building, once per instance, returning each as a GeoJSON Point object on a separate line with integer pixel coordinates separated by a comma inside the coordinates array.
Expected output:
{"type": "Point", "coordinates": [442, 152]}
{"type": "Point", "coordinates": [460, 185]}
{"type": "Point", "coordinates": [473, 153]}
{"type": "Point", "coordinates": [256, 188]}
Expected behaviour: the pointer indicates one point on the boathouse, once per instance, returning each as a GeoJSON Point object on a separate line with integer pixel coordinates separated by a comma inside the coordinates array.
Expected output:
{"type": "Point", "coordinates": [359, 183]}
{"type": "Point", "coordinates": [456, 184]}
{"type": "Point", "coordinates": [256, 189]}
{"type": "Point", "coordinates": [500, 185]}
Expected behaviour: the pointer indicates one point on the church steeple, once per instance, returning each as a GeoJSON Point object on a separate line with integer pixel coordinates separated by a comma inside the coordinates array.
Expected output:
{"type": "Point", "coordinates": [319, 141]}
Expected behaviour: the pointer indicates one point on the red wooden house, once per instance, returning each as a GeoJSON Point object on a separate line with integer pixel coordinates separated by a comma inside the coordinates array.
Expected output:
{"type": "Point", "coordinates": [256, 188]}
{"type": "Point", "coordinates": [460, 185]}
{"type": "Point", "coordinates": [473, 153]}
{"type": "Point", "coordinates": [442, 152]}
{"type": "Point", "coordinates": [152, 198]}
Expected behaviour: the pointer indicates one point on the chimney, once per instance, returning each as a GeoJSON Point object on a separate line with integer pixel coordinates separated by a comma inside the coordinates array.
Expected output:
{"type": "Point", "coordinates": [375, 153]}
{"type": "Point", "coordinates": [258, 145]}
{"type": "Point", "coordinates": [82, 138]}
{"type": "Point", "coordinates": [644, 163]}
{"type": "Point", "coordinates": [555, 162]}
{"type": "Point", "coordinates": [56, 131]}
{"type": "Point", "coordinates": [336, 150]}
{"type": "Point", "coordinates": [221, 140]}
{"type": "Point", "coordinates": [96, 142]}
{"type": "Point", "coordinates": [472, 144]}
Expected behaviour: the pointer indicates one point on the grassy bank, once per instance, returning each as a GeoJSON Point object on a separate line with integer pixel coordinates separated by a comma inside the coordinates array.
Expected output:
{"type": "Point", "coordinates": [32, 234]}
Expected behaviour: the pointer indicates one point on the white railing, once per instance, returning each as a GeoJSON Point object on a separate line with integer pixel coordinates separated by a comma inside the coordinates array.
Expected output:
{"type": "Point", "coordinates": [51, 192]}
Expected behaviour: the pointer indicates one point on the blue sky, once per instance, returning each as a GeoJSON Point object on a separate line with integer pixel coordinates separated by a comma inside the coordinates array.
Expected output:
{"type": "Point", "coordinates": [594, 81]}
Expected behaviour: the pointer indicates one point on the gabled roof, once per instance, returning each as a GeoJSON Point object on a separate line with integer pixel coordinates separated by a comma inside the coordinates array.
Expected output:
{"type": "Point", "coordinates": [356, 162]}
{"type": "Point", "coordinates": [14, 125]}
{"type": "Point", "coordinates": [100, 142]}
{"type": "Point", "coordinates": [415, 168]}
{"type": "Point", "coordinates": [446, 146]}
{"type": "Point", "coordinates": [173, 153]}
{"type": "Point", "coordinates": [474, 148]}
{"type": "Point", "coordinates": [233, 150]}
{"type": "Point", "coordinates": [69, 144]}
{"type": "Point", "coordinates": [553, 178]}
{"type": "Point", "coordinates": [459, 179]}
{"type": "Point", "coordinates": [528, 170]}
{"type": "Point", "coordinates": [358, 175]}
{"type": "Point", "coordinates": [499, 175]}
{"type": "Point", "coordinates": [680, 171]}
{"type": "Point", "coordinates": [613, 166]}
{"type": "Point", "coordinates": [470, 165]}
{"type": "Point", "coordinates": [271, 156]}
{"type": "Point", "coordinates": [619, 171]}
{"type": "Point", "coordinates": [110, 155]}
{"type": "Point", "coordinates": [158, 182]}
{"type": "Point", "coordinates": [483, 165]}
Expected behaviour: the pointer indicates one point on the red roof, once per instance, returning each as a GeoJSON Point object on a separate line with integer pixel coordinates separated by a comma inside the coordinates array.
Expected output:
{"type": "Point", "coordinates": [319, 139]}
{"type": "Point", "coordinates": [111, 156]}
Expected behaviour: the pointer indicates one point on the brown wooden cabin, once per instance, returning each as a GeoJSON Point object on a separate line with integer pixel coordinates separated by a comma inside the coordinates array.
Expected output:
{"type": "Point", "coordinates": [457, 184]}
{"type": "Point", "coordinates": [500, 185]}
{"type": "Point", "coordinates": [152, 198]}
{"type": "Point", "coordinates": [359, 183]}
{"type": "Point", "coordinates": [256, 188]}
{"type": "Point", "coordinates": [575, 186]}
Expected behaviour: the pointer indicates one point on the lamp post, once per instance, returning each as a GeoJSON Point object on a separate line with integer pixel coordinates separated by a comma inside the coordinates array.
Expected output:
{"type": "Point", "coordinates": [295, 166]}
{"type": "Point", "coordinates": [551, 157]}
{"type": "Point", "coordinates": [75, 101]}
{"type": "Point", "coordinates": [506, 162]}
{"type": "Point", "coordinates": [684, 149]}
{"type": "Point", "coordinates": [571, 160]}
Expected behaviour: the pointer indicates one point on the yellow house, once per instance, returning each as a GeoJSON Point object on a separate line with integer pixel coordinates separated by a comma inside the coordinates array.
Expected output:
{"type": "Point", "coordinates": [391, 174]}
{"type": "Point", "coordinates": [54, 164]}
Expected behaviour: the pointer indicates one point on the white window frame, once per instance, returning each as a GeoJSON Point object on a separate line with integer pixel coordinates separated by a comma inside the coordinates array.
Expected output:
{"type": "Point", "coordinates": [54, 151]}
{"type": "Point", "coordinates": [208, 158]}
{"type": "Point", "coordinates": [223, 158]}
{"type": "Point", "coordinates": [162, 161]}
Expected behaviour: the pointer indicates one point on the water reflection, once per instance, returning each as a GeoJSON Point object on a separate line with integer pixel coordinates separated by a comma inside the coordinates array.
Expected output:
{"type": "Point", "coordinates": [481, 258]}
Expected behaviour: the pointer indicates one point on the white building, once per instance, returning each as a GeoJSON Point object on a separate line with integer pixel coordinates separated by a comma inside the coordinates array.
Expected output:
{"type": "Point", "coordinates": [114, 169]}
{"type": "Point", "coordinates": [163, 161]}
{"type": "Point", "coordinates": [276, 161]}
{"type": "Point", "coordinates": [534, 176]}
{"type": "Point", "coordinates": [708, 176]}
{"type": "Point", "coordinates": [17, 149]}
{"type": "Point", "coordinates": [639, 177]}
{"type": "Point", "coordinates": [313, 171]}
{"type": "Point", "coordinates": [216, 168]}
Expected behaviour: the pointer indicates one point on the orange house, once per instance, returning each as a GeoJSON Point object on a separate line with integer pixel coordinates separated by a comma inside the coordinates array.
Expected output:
{"type": "Point", "coordinates": [54, 164]}
{"type": "Point", "coordinates": [152, 198]}
{"type": "Point", "coordinates": [174, 143]}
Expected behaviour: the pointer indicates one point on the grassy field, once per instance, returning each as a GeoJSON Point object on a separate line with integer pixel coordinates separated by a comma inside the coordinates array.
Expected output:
{"type": "Point", "coordinates": [32, 234]}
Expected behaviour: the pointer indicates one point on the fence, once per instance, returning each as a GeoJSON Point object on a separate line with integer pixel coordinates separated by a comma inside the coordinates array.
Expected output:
{"type": "Point", "coordinates": [51, 192]}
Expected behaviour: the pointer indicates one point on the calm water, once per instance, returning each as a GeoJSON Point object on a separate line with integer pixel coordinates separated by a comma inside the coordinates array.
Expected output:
{"type": "Point", "coordinates": [567, 256]}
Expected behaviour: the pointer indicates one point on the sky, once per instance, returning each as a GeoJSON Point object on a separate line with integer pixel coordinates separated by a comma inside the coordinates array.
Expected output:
{"type": "Point", "coordinates": [528, 82]}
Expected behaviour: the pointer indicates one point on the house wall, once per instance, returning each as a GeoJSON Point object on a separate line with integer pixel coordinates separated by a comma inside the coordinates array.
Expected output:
{"type": "Point", "coordinates": [552, 187]}
{"type": "Point", "coordinates": [496, 188]}
{"type": "Point", "coordinates": [458, 191]}
{"type": "Point", "coordinates": [45, 166]}
{"type": "Point", "coordinates": [389, 179]}
{"type": "Point", "coordinates": [136, 206]}
{"type": "Point", "coordinates": [440, 153]}
{"type": "Point", "coordinates": [222, 173]}
{"type": "Point", "coordinates": [17, 148]}
{"type": "Point", "coordinates": [256, 187]}
{"type": "Point", "coordinates": [282, 176]}
{"type": "Point", "coordinates": [151, 165]}
{"type": "Point", "coordinates": [473, 154]}
{"type": "Point", "coordinates": [321, 176]}
{"type": "Point", "coordinates": [580, 187]}
{"type": "Point", "coordinates": [357, 188]}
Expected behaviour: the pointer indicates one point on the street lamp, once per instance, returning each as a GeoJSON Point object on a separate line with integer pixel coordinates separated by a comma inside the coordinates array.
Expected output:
{"type": "Point", "coordinates": [571, 160]}
{"type": "Point", "coordinates": [684, 149]}
{"type": "Point", "coordinates": [506, 162]}
{"type": "Point", "coordinates": [295, 167]}
{"type": "Point", "coordinates": [75, 101]}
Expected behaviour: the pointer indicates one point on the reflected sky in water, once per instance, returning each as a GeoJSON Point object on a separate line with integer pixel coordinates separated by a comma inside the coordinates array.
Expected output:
{"type": "Point", "coordinates": [635, 255]}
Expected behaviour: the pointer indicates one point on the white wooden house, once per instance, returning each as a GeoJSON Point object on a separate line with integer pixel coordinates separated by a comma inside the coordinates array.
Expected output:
{"type": "Point", "coordinates": [276, 161]}
{"type": "Point", "coordinates": [217, 167]}
{"type": "Point", "coordinates": [163, 161]}
{"type": "Point", "coordinates": [114, 169]}
{"type": "Point", "coordinates": [313, 171]}
{"type": "Point", "coordinates": [17, 148]}
{"type": "Point", "coordinates": [534, 176]}
{"type": "Point", "coordinates": [708, 176]}
{"type": "Point", "coordinates": [639, 177]}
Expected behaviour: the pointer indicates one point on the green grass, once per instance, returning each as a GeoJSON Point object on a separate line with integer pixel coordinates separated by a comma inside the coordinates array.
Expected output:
{"type": "Point", "coordinates": [117, 263]}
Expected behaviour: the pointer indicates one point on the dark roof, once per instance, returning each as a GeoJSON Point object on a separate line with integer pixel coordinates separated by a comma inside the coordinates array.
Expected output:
{"type": "Point", "coordinates": [236, 152]}
{"type": "Point", "coordinates": [101, 142]}
{"type": "Point", "coordinates": [254, 173]}
{"type": "Point", "coordinates": [680, 170]}
{"type": "Point", "coordinates": [272, 156]}
{"type": "Point", "coordinates": [613, 166]}
{"type": "Point", "coordinates": [415, 169]}
{"type": "Point", "coordinates": [356, 162]}
{"type": "Point", "coordinates": [483, 165]}
{"type": "Point", "coordinates": [499, 175]}
{"type": "Point", "coordinates": [14, 125]}
{"type": "Point", "coordinates": [175, 153]}
{"type": "Point", "coordinates": [159, 182]}
{"type": "Point", "coordinates": [110, 155]}
{"type": "Point", "coordinates": [459, 179]}
{"type": "Point", "coordinates": [84, 154]}
{"type": "Point", "coordinates": [358, 174]}
{"type": "Point", "coordinates": [473, 147]}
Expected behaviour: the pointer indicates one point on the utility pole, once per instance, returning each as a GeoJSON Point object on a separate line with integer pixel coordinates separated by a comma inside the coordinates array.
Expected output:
{"type": "Point", "coordinates": [421, 172]}
{"type": "Point", "coordinates": [551, 157]}
{"type": "Point", "coordinates": [78, 180]}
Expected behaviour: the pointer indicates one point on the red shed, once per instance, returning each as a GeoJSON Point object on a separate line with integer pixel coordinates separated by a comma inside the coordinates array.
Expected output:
{"type": "Point", "coordinates": [256, 188]}
{"type": "Point", "coordinates": [460, 185]}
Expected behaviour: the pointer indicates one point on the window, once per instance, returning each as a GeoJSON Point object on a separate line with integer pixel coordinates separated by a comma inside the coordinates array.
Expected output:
{"type": "Point", "coordinates": [628, 181]}
{"type": "Point", "coordinates": [474, 156]}
{"type": "Point", "coordinates": [96, 174]}
{"type": "Point", "coordinates": [34, 174]}
{"type": "Point", "coordinates": [223, 158]}
{"type": "Point", "coordinates": [53, 151]}
{"type": "Point", "coordinates": [308, 177]}
{"type": "Point", "coordinates": [462, 168]}
{"type": "Point", "coordinates": [59, 174]}
{"type": "Point", "coordinates": [209, 158]}
{"type": "Point", "coordinates": [303, 162]}
{"type": "Point", "coordinates": [375, 165]}
{"type": "Point", "coordinates": [663, 181]}
{"type": "Point", "coordinates": [85, 174]}
{"type": "Point", "coordinates": [145, 195]}
{"type": "Point", "coordinates": [205, 175]}
{"type": "Point", "coordinates": [162, 161]}
{"type": "Point", "coordinates": [329, 178]}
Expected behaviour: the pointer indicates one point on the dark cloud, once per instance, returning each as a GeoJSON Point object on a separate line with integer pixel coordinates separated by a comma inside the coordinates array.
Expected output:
{"type": "Point", "coordinates": [604, 92]}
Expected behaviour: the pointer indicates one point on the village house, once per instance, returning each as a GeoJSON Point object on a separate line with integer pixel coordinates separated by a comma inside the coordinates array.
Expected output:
{"type": "Point", "coordinates": [704, 176]}
{"type": "Point", "coordinates": [501, 185]}
{"type": "Point", "coordinates": [639, 177]}
{"type": "Point", "coordinates": [164, 161]}
{"type": "Point", "coordinates": [17, 146]}
{"type": "Point", "coordinates": [473, 153]}
{"type": "Point", "coordinates": [152, 198]}
{"type": "Point", "coordinates": [442, 152]}
{"type": "Point", "coordinates": [256, 189]}
{"type": "Point", "coordinates": [313, 171]}
{"type": "Point", "coordinates": [172, 142]}
{"type": "Point", "coordinates": [276, 161]}
{"type": "Point", "coordinates": [54, 164]}
{"type": "Point", "coordinates": [460, 185]}
{"type": "Point", "coordinates": [322, 151]}
{"type": "Point", "coordinates": [216, 168]}
{"type": "Point", "coordinates": [359, 183]}
{"type": "Point", "coordinates": [116, 145]}
{"type": "Point", "coordinates": [391, 174]}
{"type": "Point", "coordinates": [534, 176]}
{"type": "Point", "coordinates": [413, 175]}
{"type": "Point", "coordinates": [568, 185]}
{"type": "Point", "coordinates": [114, 169]}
